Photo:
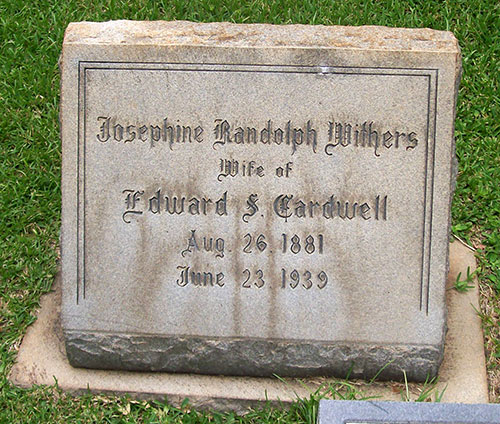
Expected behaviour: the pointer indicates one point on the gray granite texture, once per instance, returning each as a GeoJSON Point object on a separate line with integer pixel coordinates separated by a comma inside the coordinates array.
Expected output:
{"type": "Point", "coordinates": [256, 199]}
{"type": "Point", "coordinates": [368, 412]}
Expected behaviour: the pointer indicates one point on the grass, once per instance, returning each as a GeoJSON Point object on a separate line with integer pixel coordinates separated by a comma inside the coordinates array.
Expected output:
{"type": "Point", "coordinates": [463, 285]}
{"type": "Point", "coordinates": [30, 43]}
{"type": "Point", "coordinates": [50, 404]}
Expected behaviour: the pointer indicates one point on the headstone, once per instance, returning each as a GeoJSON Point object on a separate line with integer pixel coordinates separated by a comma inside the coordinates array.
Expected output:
{"type": "Point", "coordinates": [368, 412]}
{"type": "Point", "coordinates": [256, 199]}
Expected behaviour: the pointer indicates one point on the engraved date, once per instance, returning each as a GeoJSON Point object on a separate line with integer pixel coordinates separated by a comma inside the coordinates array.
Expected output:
{"type": "Point", "coordinates": [309, 244]}
{"type": "Point", "coordinates": [257, 280]}
{"type": "Point", "coordinates": [295, 244]}
{"type": "Point", "coordinates": [304, 280]}
{"type": "Point", "coordinates": [293, 279]}
{"type": "Point", "coordinates": [251, 242]}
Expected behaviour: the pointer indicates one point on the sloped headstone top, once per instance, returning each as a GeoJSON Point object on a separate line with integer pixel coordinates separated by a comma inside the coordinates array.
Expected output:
{"type": "Point", "coordinates": [256, 199]}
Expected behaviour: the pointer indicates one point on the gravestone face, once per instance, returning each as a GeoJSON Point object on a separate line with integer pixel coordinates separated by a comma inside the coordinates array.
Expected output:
{"type": "Point", "coordinates": [256, 199]}
{"type": "Point", "coordinates": [372, 412]}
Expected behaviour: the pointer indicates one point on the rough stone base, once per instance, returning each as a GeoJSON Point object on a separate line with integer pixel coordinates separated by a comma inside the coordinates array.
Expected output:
{"type": "Point", "coordinates": [42, 360]}
{"type": "Point", "coordinates": [257, 358]}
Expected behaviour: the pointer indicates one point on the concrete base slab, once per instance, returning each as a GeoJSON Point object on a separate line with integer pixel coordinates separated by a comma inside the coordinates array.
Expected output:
{"type": "Point", "coordinates": [42, 360]}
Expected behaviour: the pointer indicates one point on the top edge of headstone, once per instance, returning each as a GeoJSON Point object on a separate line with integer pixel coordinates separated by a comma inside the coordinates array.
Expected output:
{"type": "Point", "coordinates": [225, 34]}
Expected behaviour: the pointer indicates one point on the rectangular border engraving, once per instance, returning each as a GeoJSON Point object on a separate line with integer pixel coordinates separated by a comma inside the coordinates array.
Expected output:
{"type": "Point", "coordinates": [432, 83]}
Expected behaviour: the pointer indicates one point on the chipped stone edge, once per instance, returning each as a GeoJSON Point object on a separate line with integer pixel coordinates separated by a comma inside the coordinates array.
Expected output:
{"type": "Point", "coordinates": [257, 357]}
{"type": "Point", "coordinates": [453, 172]}
{"type": "Point", "coordinates": [257, 35]}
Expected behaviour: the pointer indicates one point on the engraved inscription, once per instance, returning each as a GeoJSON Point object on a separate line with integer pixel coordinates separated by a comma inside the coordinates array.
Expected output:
{"type": "Point", "coordinates": [287, 206]}
{"type": "Point", "coordinates": [131, 200]}
{"type": "Point", "coordinates": [253, 280]}
{"type": "Point", "coordinates": [161, 203]}
{"type": "Point", "coordinates": [199, 278]}
{"type": "Point", "coordinates": [233, 168]}
{"type": "Point", "coordinates": [205, 244]}
{"type": "Point", "coordinates": [288, 135]}
{"type": "Point", "coordinates": [258, 199]}
{"type": "Point", "coordinates": [171, 133]}
{"type": "Point", "coordinates": [333, 134]}
{"type": "Point", "coordinates": [305, 279]}
{"type": "Point", "coordinates": [366, 135]}
{"type": "Point", "coordinates": [284, 206]}
{"type": "Point", "coordinates": [295, 245]}
{"type": "Point", "coordinates": [254, 243]}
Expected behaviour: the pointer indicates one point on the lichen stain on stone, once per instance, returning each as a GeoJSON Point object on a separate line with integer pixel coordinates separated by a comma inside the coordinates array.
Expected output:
{"type": "Point", "coordinates": [236, 271]}
{"type": "Point", "coordinates": [275, 314]}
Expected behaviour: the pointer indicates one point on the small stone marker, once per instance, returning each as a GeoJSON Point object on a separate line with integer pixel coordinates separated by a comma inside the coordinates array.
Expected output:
{"type": "Point", "coordinates": [256, 199]}
{"type": "Point", "coordinates": [367, 412]}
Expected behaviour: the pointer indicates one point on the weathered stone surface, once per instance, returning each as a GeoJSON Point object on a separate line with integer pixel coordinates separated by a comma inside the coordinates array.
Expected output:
{"type": "Point", "coordinates": [366, 412]}
{"type": "Point", "coordinates": [462, 376]}
{"type": "Point", "coordinates": [254, 199]}
{"type": "Point", "coordinates": [235, 357]}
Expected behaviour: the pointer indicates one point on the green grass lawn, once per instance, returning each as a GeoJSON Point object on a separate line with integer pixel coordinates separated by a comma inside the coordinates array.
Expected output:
{"type": "Point", "coordinates": [30, 44]}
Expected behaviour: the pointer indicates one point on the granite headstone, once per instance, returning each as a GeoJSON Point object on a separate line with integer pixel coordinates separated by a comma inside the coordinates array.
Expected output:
{"type": "Point", "coordinates": [372, 412]}
{"type": "Point", "coordinates": [256, 199]}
